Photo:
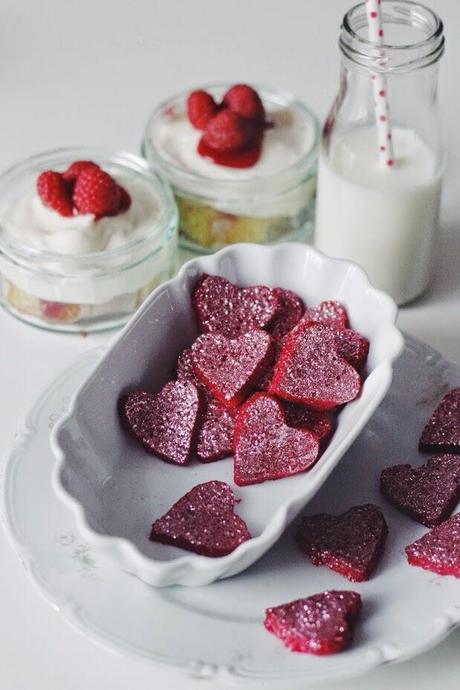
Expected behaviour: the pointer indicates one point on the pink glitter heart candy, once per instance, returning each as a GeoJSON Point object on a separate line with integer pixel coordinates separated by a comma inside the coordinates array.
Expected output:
{"type": "Point", "coordinates": [442, 432]}
{"type": "Point", "coordinates": [438, 550]}
{"type": "Point", "coordinates": [165, 423]}
{"type": "Point", "coordinates": [350, 544]}
{"type": "Point", "coordinates": [322, 424]}
{"type": "Point", "coordinates": [330, 313]}
{"type": "Point", "coordinates": [320, 624]}
{"type": "Point", "coordinates": [222, 307]}
{"type": "Point", "coordinates": [428, 493]}
{"type": "Point", "coordinates": [265, 447]}
{"type": "Point", "coordinates": [288, 314]}
{"type": "Point", "coordinates": [231, 368]}
{"type": "Point", "coordinates": [309, 370]}
{"type": "Point", "coordinates": [353, 347]}
{"type": "Point", "coordinates": [203, 521]}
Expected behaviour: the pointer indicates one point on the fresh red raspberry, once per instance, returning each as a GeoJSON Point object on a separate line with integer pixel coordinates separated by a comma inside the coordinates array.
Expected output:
{"type": "Point", "coordinates": [245, 101]}
{"type": "Point", "coordinates": [124, 199]}
{"type": "Point", "coordinates": [201, 107]}
{"type": "Point", "coordinates": [52, 190]}
{"type": "Point", "coordinates": [96, 192]}
{"type": "Point", "coordinates": [228, 132]}
{"type": "Point", "coordinates": [75, 168]}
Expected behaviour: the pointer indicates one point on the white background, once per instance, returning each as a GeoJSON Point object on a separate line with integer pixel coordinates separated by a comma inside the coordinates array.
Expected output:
{"type": "Point", "coordinates": [90, 72]}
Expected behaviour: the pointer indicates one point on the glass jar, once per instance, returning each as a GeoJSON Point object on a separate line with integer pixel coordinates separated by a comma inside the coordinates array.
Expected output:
{"type": "Point", "coordinates": [384, 217]}
{"type": "Point", "coordinates": [219, 205]}
{"type": "Point", "coordinates": [79, 273]}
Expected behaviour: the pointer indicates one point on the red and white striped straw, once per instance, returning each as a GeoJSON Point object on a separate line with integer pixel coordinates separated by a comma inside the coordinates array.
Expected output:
{"type": "Point", "coordinates": [382, 112]}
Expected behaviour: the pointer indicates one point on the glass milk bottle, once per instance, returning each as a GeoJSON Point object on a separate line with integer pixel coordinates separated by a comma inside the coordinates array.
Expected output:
{"type": "Point", "coordinates": [384, 217]}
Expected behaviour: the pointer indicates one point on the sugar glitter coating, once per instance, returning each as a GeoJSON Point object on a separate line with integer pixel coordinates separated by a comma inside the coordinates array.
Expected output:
{"type": "Point", "coordinates": [309, 370]}
{"type": "Point", "coordinates": [350, 544]}
{"type": "Point", "coordinates": [319, 624]}
{"type": "Point", "coordinates": [231, 368]}
{"type": "Point", "coordinates": [165, 423]}
{"type": "Point", "coordinates": [428, 493]}
{"type": "Point", "coordinates": [442, 432]}
{"type": "Point", "coordinates": [438, 550]}
{"type": "Point", "coordinates": [330, 313]}
{"type": "Point", "coordinates": [322, 424]}
{"type": "Point", "coordinates": [265, 448]}
{"type": "Point", "coordinates": [352, 346]}
{"type": "Point", "coordinates": [203, 521]}
{"type": "Point", "coordinates": [222, 307]}
{"type": "Point", "coordinates": [288, 314]}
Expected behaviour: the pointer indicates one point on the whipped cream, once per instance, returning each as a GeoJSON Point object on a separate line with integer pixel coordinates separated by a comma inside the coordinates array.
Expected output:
{"type": "Point", "coordinates": [284, 144]}
{"type": "Point", "coordinates": [34, 225]}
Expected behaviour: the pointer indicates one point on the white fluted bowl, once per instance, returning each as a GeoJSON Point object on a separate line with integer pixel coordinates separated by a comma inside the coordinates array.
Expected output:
{"type": "Point", "coordinates": [117, 490]}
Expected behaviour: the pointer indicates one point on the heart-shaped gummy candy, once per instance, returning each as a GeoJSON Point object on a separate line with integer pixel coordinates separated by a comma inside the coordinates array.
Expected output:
{"type": "Point", "coordinates": [309, 370]}
{"type": "Point", "coordinates": [288, 314]}
{"type": "Point", "coordinates": [322, 424]}
{"type": "Point", "coordinates": [428, 493]}
{"type": "Point", "coordinates": [350, 544]}
{"type": "Point", "coordinates": [442, 432]}
{"type": "Point", "coordinates": [222, 307]}
{"type": "Point", "coordinates": [165, 423]}
{"type": "Point", "coordinates": [320, 624]}
{"type": "Point", "coordinates": [265, 447]}
{"type": "Point", "coordinates": [230, 368]}
{"type": "Point", "coordinates": [352, 346]}
{"type": "Point", "coordinates": [203, 521]}
{"type": "Point", "coordinates": [438, 550]}
{"type": "Point", "coordinates": [330, 313]}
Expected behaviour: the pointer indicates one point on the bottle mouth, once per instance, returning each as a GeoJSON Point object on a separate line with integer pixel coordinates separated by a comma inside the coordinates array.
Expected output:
{"type": "Point", "coordinates": [413, 37]}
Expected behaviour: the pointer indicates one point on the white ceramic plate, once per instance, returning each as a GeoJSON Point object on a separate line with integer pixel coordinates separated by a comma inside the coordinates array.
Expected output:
{"type": "Point", "coordinates": [117, 490]}
{"type": "Point", "coordinates": [216, 631]}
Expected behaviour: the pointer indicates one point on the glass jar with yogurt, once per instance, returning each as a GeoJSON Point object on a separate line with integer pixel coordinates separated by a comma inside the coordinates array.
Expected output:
{"type": "Point", "coordinates": [384, 218]}
{"type": "Point", "coordinates": [80, 272]}
{"type": "Point", "coordinates": [270, 201]}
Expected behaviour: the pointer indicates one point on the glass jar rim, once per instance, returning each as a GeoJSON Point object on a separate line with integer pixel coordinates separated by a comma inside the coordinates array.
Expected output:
{"type": "Point", "coordinates": [166, 221]}
{"type": "Point", "coordinates": [154, 155]}
{"type": "Point", "coordinates": [417, 53]}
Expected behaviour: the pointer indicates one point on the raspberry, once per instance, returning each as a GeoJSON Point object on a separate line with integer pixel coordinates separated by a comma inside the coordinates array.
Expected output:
{"type": "Point", "coordinates": [124, 200]}
{"type": "Point", "coordinates": [53, 191]}
{"type": "Point", "coordinates": [245, 101]}
{"type": "Point", "coordinates": [96, 192]}
{"type": "Point", "coordinates": [227, 132]}
{"type": "Point", "coordinates": [201, 108]}
{"type": "Point", "coordinates": [75, 168]}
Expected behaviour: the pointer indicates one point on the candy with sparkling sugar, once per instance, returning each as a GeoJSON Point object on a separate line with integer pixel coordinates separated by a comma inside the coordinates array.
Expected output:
{"type": "Point", "coordinates": [165, 423]}
{"type": "Point", "coordinates": [438, 550]}
{"type": "Point", "coordinates": [322, 424]}
{"type": "Point", "coordinates": [222, 307]}
{"type": "Point", "coordinates": [203, 521]}
{"type": "Point", "coordinates": [330, 312]}
{"type": "Point", "coordinates": [231, 368]}
{"type": "Point", "coordinates": [442, 432]}
{"type": "Point", "coordinates": [428, 493]}
{"type": "Point", "coordinates": [265, 447]}
{"type": "Point", "coordinates": [309, 370]}
{"type": "Point", "coordinates": [288, 314]}
{"type": "Point", "coordinates": [352, 346]}
{"type": "Point", "coordinates": [350, 544]}
{"type": "Point", "coordinates": [319, 624]}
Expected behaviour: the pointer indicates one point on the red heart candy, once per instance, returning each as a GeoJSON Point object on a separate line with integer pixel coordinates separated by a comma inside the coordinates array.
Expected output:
{"type": "Point", "coordinates": [288, 314]}
{"type": "Point", "coordinates": [438, 550]}
{"type": "Point", "coordinates": [352, 346]}
{"type": "Point", "coordinates": [222, 307]}
{"type": "Point", "coordinates": [165, 423]}
{"type": "Point", "coordinates": [428, 493]}
{"type": "Point", "coordinates": [265, 447]}
{"type": "Point", "coordinates": [310, 371]}
{"type": "Point", "coordinates": [330, 313]}
{"type": "Point", "coordinates": [203, 521]}
{"type": "Point", "coordinates": [230, 368]}
{"type": "Point", "coordinates": [442, 432]}
{"type": "Point", "coordinates": [351, 544]}
{"type": "Point", "coordinates": [322, 424]}
{"type": "Point", "coordinates": [320, 624]}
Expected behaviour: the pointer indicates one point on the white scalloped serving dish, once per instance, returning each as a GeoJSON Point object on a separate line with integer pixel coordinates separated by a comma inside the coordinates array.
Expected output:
{"type": "Point", "coordinates": [116, 489]}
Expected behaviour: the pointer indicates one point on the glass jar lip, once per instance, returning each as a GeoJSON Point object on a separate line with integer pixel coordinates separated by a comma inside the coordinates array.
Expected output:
{"type": "Point", "coordinates": [166, 221]}
{"type": "Point", "coordinates": [432, 42]}
{"type": "Point", "coordinates": [153, 154]}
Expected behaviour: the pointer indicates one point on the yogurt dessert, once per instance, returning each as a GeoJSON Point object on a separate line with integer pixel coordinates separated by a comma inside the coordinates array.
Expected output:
{"type": "Point", "coordinates": [84, 237]}
{"type": "Point", "coordinates": [383, 220]}
{"type": "Point", "coordinates": [242, 164]}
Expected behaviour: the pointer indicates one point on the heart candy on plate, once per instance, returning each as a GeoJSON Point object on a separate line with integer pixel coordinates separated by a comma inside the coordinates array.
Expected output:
{"type": "Point", "coordinates": [203, 521]}
{"type": "Point", "coordinates": [265, 447]}
{"type": "Point", "coordinates": [309, 370]}
{"type": "Point", "coordinates": [428, 493]}
{"type": "Point", "coordinates": [350, 544]}
{"type": "Point", "coordinates": [319, 624]}
{"type": "Point", "coordinates": [439, 549]}
{"type": "Point", "coordinates": [288, 313]}
{"type": "Point", "coordinates": [352, 346]}
{"type": "Point", "coordinates": [442, 432]}
{"type": "Point", "coordinates": [322, 424]}
{"type": "Point", "coordinates": [165, 423]}
{"type": "Point", "coordinates": [329, 312]}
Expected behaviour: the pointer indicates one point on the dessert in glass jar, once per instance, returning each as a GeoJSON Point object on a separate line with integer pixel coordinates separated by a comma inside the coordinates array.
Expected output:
{"type": "Point", "coordinates": [85, 235]}
{"type": "Point", "coordinates": [242, 164]}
